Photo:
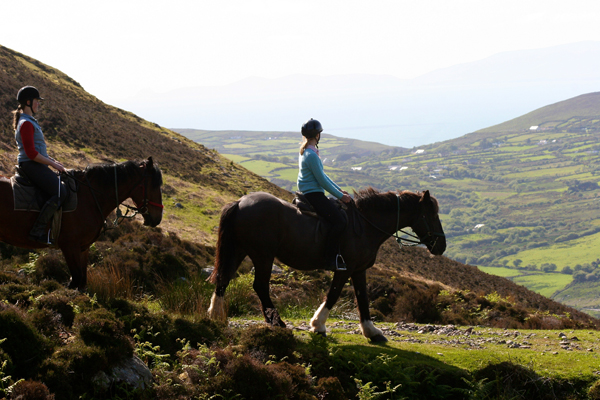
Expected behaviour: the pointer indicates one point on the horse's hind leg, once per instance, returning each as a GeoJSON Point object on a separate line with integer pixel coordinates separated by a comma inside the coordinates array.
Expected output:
{"type": "Point", "coordinates": [217, 310]}
{"type": "Point", "coordinates": [262, 275]}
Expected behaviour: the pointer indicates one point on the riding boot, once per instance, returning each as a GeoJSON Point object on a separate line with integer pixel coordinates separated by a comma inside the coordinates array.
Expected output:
{"type": "Point", "coordinates": [39, 232]}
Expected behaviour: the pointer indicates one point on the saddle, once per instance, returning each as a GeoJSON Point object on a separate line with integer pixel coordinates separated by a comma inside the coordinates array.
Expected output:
{"type": "Point", "coordinates": [303, 205]}
{"type": "Point", "coordinates": [306, 208]}
{"type": "Point", "coordinates": [27, 197]}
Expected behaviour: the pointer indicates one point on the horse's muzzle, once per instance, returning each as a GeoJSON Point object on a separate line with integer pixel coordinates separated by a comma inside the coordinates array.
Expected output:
{"type": "Point", "coordinates": [437, 246]}
{"type": "Point", "coordinates": [152, 220]}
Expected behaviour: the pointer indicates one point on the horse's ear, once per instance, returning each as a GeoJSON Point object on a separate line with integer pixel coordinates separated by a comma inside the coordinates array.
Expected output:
{"type": "Point", "coordinates": [425, 197]}
{"type": "Point", "coordinates": [147, 163]}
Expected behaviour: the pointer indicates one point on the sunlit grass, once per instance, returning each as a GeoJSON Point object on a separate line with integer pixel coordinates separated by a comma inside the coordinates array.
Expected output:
{"type": "Point", "coordinates": [263, 168]}
{"type": "Point", "coordinates": [236, 158]}
{"type": "Point", "coordinates": [562, 254]}
{"type": "Point", "coordinates": [544, 284]}
{"type": "Point", "coordinates": [238, 146]}
{"type": "Point", "coordinates": [500, 271]}
{"type": "Point", "coordinates": [545, 356]}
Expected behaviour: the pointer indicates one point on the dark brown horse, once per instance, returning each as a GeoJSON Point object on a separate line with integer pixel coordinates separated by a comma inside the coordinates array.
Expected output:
{"type": "Point", "coordinates": [264, 227]}
{"type": "Point", "coordinates": [101, 189]}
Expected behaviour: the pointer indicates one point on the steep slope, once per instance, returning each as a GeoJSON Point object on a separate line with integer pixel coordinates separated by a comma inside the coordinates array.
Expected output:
{"type": "Point", "coordinates": [417, 263]}
{"type": "Point", "coordinates": [81, 130]}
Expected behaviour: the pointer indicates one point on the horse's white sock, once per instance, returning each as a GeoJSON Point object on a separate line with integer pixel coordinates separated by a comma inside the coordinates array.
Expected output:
{"type": "Point", "coordinates": [318, 320]}
{"type": "Point", "coordinates": [369, 330]}
{"type": "Point", "coordinates": [216, 311]}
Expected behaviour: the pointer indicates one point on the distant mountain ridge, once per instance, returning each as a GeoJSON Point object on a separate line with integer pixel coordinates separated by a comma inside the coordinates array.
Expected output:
{"type": "Point", "coordinates": [581, 112]}
{"type": "Point", "coordinates": [437, 106]}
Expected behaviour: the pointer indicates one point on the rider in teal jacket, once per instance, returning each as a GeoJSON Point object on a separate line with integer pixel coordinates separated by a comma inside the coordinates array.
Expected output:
{"type": "Point", "coordinates": [312, 178]}
{"type": "Point", "coordinates": [313, 182]}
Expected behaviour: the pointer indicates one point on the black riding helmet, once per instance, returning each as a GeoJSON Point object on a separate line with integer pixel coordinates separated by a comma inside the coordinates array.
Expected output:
{"type": "Point", "coordinates": [27, 93]}
{"type": "Point", "coordinates": [311, 128]}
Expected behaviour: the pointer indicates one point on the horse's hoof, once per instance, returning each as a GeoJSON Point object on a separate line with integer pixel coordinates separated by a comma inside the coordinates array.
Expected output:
{"type": "Point", "coordinates": [272, 317]}
{"type": "Point", "coordinates": [378, 339]}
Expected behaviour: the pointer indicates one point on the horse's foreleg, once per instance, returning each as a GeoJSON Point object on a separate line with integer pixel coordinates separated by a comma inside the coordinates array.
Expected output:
{"type": "Point", "coordinates": [262, 276]}
{"type": "Point", "coordinates": [77, 261]}
{"type": "Point", "coordinates": [317, 322]}
{"type": "Point", "coordinates": [359, 281]}
{"type": "Point", "coordinates": [84, 259]}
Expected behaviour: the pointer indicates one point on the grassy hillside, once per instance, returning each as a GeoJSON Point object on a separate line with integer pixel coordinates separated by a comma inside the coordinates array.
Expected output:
{"type": "Point", "coordinates": [82, 130]}
{"type": "Point", "coordinates": [510, 196]}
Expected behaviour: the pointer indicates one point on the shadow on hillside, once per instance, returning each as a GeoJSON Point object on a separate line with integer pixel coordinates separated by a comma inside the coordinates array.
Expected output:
{"type": "Point", "coordinates": [381, 366]}
{"type": "Point", "coordinates": [404, 358]}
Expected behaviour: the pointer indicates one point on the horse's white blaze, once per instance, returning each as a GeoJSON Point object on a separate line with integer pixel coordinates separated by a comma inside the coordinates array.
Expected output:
{"type": "Point", "coordinates": [369, 330]}
{"type": "Point", "coordinates": [216, 311]}
{"type": "Point", "coordinates": [318, 320]}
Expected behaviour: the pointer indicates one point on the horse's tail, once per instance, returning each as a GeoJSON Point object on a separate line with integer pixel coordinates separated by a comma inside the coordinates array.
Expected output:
{"type": "Point", "coordinates": [225, 266]}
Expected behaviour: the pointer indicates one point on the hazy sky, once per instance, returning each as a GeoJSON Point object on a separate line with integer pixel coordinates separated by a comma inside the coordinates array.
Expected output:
{"type": "Point", "coordinates": [115, 48]}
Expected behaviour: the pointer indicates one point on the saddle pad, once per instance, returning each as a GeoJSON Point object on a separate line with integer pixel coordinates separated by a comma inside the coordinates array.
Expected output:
{"type": "Point", "coordinates": [26, 200]}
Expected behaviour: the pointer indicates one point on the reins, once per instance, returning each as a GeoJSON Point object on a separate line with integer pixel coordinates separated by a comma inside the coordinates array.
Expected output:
{"type": "Point", "coordinates": [401, 240]}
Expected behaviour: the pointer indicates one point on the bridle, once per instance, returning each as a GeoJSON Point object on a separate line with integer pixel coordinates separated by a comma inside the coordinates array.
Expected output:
{"type": "Point", "coordinates": [429, 239]}
{"type": "Point", "coordinates": [142, 210]}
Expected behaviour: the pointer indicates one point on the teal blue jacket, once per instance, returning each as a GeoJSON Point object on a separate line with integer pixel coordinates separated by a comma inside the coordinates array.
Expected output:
{"type": "Point", "coordinates": [312, 178]}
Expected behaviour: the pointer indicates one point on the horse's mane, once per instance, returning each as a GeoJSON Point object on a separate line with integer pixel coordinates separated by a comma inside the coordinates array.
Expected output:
{"type": "Point", "coordinates": [105, 173]}
{"type": "Point", "coordinates": [371, 198]}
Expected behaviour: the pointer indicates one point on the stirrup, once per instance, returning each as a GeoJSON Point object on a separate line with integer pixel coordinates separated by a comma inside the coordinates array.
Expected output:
{"type": "Point", "coordinates": [340, 266]}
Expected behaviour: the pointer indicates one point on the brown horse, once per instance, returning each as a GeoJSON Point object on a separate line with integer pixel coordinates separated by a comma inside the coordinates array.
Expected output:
{"type": "Point", "coordinates": [102, 188]}
{"type": "Point", "coordinates": [264, 227]}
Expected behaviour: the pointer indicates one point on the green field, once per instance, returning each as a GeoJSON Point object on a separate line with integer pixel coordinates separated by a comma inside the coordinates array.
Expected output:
{"type": "Point", "coordinates": [236, 158]}
{"type": "Point", "coordinates": [263, 168]}
{"type": "Point", "coordinates": [544, 284]}
{"type": "Point", "coordinates": [562, 254]}
{"type": "Point", "coordinates": [503, 272]}
{"type": "Point", "coordinates": [238, 146]}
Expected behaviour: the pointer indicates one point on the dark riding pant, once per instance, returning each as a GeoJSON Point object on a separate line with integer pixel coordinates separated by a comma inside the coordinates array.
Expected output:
{"type": "Point", "coordinates": [332, 214]}
{"type": "Point", "coordinates": [42, 177]}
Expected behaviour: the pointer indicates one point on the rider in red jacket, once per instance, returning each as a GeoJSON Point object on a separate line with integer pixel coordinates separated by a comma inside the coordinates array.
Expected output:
{"type": "Point", "coordinates": [34, 160]}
